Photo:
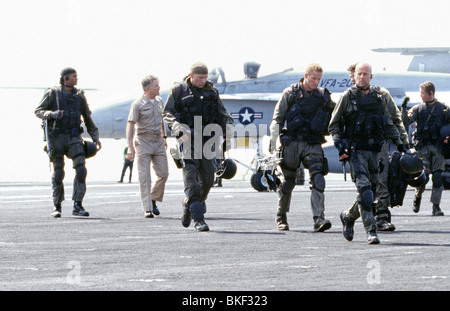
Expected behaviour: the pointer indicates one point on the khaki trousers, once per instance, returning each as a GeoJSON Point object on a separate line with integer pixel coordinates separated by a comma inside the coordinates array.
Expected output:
{"type": "Point", "coordinates": [151, 151]}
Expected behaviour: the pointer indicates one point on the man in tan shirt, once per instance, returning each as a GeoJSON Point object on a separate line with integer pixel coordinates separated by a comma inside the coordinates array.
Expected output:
{"type": "Point", "coordinates": [149, 144]}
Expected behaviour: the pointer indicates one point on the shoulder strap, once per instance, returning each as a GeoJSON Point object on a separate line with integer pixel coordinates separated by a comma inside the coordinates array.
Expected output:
{"type": "Point", "coordinates": [56, 90]}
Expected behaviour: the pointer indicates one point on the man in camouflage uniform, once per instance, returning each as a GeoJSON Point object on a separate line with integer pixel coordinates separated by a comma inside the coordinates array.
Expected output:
{"type": "Point", "coordinates": [63, 107]}
{"type": "Point", "coordinates": [430, 116]}
{"type": "Point", "coordinates": [306, 109]}
{"type": "Point", "coordinates": [382, 199]}
{"type": "Point", "coordinates": [360, 124]}
{"type": "Point", "coordinates": [191, 106]}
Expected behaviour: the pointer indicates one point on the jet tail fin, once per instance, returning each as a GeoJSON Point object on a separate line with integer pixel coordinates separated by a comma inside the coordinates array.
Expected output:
{"type": "Point", "coordinates": [425, 59]}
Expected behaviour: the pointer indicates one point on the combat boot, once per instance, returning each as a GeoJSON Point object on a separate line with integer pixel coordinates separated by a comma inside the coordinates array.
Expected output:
{"type": "Point", "coordinates": [320, 224]}
{"type": "Point", "coordinates": [78, 210]}
{"type": "Point", "coordinates": [437, 210]}
{"type": "Point", "coordinates": [186, 218]}
{"type": "Point", "coordinates": [348, 224]}
{"type": "Point", "coordinates": [282, 224]}
{"type": "Point", "coordinates": [416, 204]}
{"type": "Point", "coordinates": [372, 238]}
{"type": "Point", "coordinates": [57, 211]}
{"type": "Point", "coordinates": [384, 225]}
{"type": "Point", "coordinates": [201, 226]}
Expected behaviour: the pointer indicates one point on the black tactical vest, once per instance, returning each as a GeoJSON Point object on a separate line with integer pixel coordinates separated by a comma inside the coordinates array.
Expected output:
{"type": "Point", "coordinates": [429, 122]}
{"type": "Point", "coordinates": [197, 102]}
{"type": "Point", "coordinates": [364, 127]}
{"type": "Point", "coordinates": [307, 118]}
{"type": "Point", "coordinates": [70, 123]}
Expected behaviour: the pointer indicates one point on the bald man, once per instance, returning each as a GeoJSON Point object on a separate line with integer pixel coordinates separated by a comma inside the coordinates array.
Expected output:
{"type": "Point", "coordinates": [360, 124]}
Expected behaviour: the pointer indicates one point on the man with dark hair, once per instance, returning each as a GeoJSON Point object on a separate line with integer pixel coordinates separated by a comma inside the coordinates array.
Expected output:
{"type": "Point", "coordinates": [62, 108]}
{"type": "Point", "coordinates": [193, 106]}
{"type": "Point", "coordinates": [351, 72]}
{"type": "Point", "coordinates": [149, 145]}
{"type": "Point", "coordinates": [430, 116]}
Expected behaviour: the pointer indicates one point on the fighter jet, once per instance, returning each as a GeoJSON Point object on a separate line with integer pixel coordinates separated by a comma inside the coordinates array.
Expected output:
{"type": "Point", "coordinates": [251, 102]}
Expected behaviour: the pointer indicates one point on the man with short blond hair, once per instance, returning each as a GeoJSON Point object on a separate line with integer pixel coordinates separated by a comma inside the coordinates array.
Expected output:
{"type": "Point", "coordinates": [306, 109]}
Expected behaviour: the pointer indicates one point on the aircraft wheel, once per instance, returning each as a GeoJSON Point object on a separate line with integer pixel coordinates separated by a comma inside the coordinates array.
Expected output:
{"type": "Point", "coordinates": [259, 182]}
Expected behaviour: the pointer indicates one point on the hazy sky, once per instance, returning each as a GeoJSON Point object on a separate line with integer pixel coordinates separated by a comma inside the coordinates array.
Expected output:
{"type": "Point", "coordinates": [114, 43]}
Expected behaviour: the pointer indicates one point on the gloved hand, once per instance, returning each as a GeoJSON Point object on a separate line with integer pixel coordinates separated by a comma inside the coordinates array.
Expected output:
{"type": "Point", "coordinates": [342, 148]}
{"type": "Point", "coordinates": [402, 148]}
{"type": "Point", "coordinates": [181, 132]}
{"type": "Point", "coordinates": [405, 102]}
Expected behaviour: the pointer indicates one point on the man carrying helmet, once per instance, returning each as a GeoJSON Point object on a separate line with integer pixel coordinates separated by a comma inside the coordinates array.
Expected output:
{"type": "Point", "coordinates": [62, 107]}
{"type": "Point", "coordinates": [430, 116]}
{"type": "Point", "coordinates": [360, 125]}
{"type": "Point", "coordinates": [195, 114]}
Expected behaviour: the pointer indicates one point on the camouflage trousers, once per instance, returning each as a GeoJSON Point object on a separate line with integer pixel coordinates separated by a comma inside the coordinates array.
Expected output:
{"type": "Point", "coordinates": [73, 148]}
{"type": "Point", "coordinates": [312, 157]}
{"type": "Point", "coordinates": [364, 172]}
{"type": "Point", "coordinates": [433, 161]}
{"type": "Point", "coordinates": [198, 175]}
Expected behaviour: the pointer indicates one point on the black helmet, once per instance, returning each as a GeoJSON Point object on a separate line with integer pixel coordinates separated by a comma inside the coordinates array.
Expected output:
{"type": "Point", "coordinates": [410, 163]}
{"type": "Point", "coordinates": [90, 149]}
{"type": "Point", "coordinates": [445, 131]}
{"type": "Point", "coordinates": [227, 169]}
{"type": "Point", "coordinates": [416, 180]}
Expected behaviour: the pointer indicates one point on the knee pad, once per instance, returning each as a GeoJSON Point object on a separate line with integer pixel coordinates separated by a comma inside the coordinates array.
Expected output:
{"type": "Point", "coordinates": [58, 175]}
{"type": "Point", "coordinates": [81, 173]}
{"type": "Point", "coordinates": [366, 197]}
{"type": "Point", "coordinates": [437, 179]}
{"type": "Point", "coordinates": [318, 182]}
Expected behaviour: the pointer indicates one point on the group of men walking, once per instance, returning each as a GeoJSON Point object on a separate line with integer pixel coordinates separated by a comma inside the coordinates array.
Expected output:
{"type": "Point", "coordinates": [363, 124]}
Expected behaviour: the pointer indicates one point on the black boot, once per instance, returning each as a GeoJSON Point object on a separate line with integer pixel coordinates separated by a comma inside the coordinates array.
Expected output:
{"type": "Point", "coordinates": [437, 210]}
{"type": "Point", "coordinates": [282, 223]}
{"type": "Point", "coordinates": [416, 204]}
{"type": "Point", "coordinates": [78, 210]}
{"type": "Point", "coordinates": [186, 218]}
{"type": "Point", "coordinates": [321, 224]}
{"type": "Point", "coordinates": [57, 211]}
{"type": "Point", "coordinates": [201, 226]}
{"type": "Point", "coordinates": [348, 224]}
{"type": "Point", "coordinates": [155, 208]}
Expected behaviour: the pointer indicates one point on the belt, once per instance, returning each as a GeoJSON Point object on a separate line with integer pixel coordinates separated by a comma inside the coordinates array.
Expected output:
{"type": "Point", "coordinates": [150, 135]}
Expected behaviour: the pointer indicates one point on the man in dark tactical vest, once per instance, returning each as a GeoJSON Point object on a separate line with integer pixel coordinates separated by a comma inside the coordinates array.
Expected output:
{"type": "Point", "coordinates": [192, 110]}
{"type": "Point", "coordinates": [360, 124]}
{"type": "Point", "coordinates": [382, 198]}
{"type": "Point", "coordinates": [306, 109]}
{"type": "Point", "coordinates": [430, 116]}
{"type": "Point", "coordinates": [62, 107]}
